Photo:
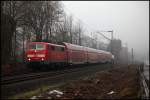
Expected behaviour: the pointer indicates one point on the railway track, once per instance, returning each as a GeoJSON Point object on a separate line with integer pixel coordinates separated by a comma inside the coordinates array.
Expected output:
{"type": "Point", "coordinates": [19, 84]}
{"type": "Point", "coordinates": [32, 76]}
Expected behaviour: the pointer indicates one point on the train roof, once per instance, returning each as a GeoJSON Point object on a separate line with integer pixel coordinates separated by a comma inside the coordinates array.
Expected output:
{"type": "Point", "coordinates": [73, 46]}
{"type": "Point", "coordinates": [47, 43]}
{"type": "Point", "coordinates": [96, 50]}
{"type": "Point", "coordinates": [38, 42]}
{"type": "Point", "coordinates": [77, 47]}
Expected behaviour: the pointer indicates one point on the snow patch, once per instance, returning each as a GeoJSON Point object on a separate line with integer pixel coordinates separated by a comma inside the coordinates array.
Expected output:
{"type": "Point", "coordinates": [34, 97]}
{"type": "Point", "coordinates": [55, 92]}
{"type": "Point", "coordinates": [111, 92]}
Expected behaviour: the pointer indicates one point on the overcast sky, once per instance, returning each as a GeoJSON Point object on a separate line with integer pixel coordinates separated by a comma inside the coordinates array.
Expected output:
{"type": "Point", "coordinates": [128, 19]}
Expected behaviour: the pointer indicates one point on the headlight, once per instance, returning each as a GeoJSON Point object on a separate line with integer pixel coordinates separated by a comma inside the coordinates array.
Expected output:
{"type": "Point", "coordinates": [29, 59]}
{"type": "Point", "coordinates": [30, 55]}
{"type": "Point", "coordinates": [40, 55]}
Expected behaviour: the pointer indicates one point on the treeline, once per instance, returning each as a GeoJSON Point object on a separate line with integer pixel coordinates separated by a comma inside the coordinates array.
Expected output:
{"type": "Point", "coordinates": [26, 21]}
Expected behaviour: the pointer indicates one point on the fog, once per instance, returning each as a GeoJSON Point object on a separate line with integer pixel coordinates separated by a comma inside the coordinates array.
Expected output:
{"type": "Point", "coordinates": [128, 19]}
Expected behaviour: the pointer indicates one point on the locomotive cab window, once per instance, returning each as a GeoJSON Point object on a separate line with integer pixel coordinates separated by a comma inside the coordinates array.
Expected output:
{"type": "Point", "coordinates": [37, 46]}
{"type": "Point", "coordinates": [40, 46]}
{"type": "Point", "coordinates": [32, 46]}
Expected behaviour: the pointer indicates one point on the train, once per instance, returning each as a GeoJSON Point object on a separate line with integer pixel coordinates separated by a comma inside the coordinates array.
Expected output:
{"type": "Point", "coordinates": [44, 53]}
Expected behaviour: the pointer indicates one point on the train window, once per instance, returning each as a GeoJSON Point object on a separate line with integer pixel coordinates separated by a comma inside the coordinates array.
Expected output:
{"type": "Point", "coordinates": [52, 48]}
{"type": "Point", "coordinates": [57, 48]}
{"type": "Point", "coordinates": [49, 47]}
{"type": "Point", "coordinates": [32, 46]}
{"type": "Point", "coordinates": [40, 46]}
{"type": "Point", "coordinates": [62, 48]}
{"type": "Point", "coordinates": [37, 46]}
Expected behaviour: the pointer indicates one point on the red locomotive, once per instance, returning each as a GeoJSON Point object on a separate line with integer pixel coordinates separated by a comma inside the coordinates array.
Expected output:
{"type": "Point", "coordinates": [48, 53]}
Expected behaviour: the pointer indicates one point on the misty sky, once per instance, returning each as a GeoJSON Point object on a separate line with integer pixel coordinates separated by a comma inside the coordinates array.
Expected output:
{"type": "Point", "coordinates": [128, 19]}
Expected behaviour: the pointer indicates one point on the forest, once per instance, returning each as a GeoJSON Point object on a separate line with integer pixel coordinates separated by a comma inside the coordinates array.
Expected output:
{"type": "Point", "coordinates": [26, 21]}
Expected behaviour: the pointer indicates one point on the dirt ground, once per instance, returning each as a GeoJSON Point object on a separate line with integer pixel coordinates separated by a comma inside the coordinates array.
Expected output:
{"type": "Point", "coordinates": [118, 83]}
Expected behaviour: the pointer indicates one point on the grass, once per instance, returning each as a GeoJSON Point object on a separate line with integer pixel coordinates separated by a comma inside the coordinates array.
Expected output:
{"type": "Point", "coordinates": [37, 91]}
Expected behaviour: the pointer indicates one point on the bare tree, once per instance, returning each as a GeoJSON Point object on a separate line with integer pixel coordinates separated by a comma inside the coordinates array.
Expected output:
{"type": "Point", "coordinates": [54, 13]}
{"type": "Point", "coordinates": [33, 16]}
{"type": "Point", "coordinates": [13, 10]}
{"type": "Point", "coordinates": [65, 29]}
{"type": "Point", "coordinates": [80, 30]}
{"type": "Point", "coordinates": [7, 29]}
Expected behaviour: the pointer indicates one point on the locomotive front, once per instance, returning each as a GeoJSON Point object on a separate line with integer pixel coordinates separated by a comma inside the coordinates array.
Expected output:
{"type": "Point", "coordinates": [36, 53]}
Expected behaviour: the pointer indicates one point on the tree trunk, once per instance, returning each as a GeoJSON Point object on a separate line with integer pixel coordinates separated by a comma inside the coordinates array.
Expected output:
{"type": "Point", "coordinates": [7, 29]}
{"type": "Point", "coordinates": [38, 35]}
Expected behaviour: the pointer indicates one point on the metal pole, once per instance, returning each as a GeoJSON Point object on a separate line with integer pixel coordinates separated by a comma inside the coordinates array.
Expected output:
{"type": "Point", "coordinates": [127, 53]}
{"type": "Point", "coordinates": [111, 41]}
{"type": "Point", "coordinates": [132, 55]}
{"type": "Point", "coordinates": [111, 44]}
{"type": "Point", "coordinates": [23, 56]}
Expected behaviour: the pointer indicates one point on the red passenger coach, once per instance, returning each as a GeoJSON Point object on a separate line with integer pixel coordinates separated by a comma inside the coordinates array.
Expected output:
{"type": "Point", "coordinates": [79, 54]}
{"type": "Point", "coordinates": [57, 53]}
{"type": "Point", "coordinates": [75, 54]}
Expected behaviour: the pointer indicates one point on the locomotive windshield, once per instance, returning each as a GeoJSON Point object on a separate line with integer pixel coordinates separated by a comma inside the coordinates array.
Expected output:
{"type": "Point", "coordinates": [37, 46]}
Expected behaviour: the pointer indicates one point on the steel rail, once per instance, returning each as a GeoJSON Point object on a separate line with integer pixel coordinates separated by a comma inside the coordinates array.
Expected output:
{"type": "Point", "coordinates": [26, 77]}
{"type": "Point", "coordinates": [14, 88]}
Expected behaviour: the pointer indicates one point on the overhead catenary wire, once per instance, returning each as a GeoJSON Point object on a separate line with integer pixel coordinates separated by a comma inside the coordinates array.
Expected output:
{"type": "Point", "coordinates": [91, 32]}
{"type": "Point", "coordinates": [78, 18]}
